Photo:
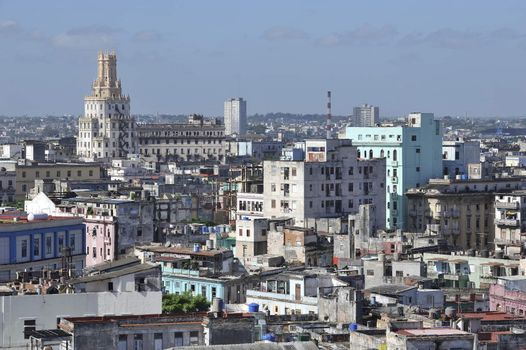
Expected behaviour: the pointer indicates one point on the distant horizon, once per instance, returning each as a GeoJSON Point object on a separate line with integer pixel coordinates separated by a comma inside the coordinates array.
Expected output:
{"type": "Point", "coordinates": [250, 116]}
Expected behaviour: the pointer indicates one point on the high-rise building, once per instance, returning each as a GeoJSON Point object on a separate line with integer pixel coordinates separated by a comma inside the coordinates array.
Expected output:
{"type": "Point", "coordinates": [413, 155]}
{"type": "Point", "coordinates": [235, 116]}
{"type": "Point", "coordinates": [107, 128]}
{"type": "Point", "coordinates": [365, 115]}
{"type": "Point", "coordinates": [322, 179]}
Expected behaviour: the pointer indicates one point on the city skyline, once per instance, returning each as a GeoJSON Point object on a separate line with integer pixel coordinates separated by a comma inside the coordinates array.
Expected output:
{"type": "Point", "coordinates": [442, 58]}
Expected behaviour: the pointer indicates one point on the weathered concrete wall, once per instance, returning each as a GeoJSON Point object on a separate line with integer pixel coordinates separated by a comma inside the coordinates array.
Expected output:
{"type": "Point", "coordinates": [229, 330]}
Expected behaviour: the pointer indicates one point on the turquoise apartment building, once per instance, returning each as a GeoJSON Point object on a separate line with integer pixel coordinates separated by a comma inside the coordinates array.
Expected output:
{"type": "Point", "coordinates": [413, 155]}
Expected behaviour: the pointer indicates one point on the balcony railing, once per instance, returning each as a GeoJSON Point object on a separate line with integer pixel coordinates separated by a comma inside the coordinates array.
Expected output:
{"type": "Point", "coordinates": [507, 222]}
{"type": "Point", "coordinates": [394, 179]}
{"type": "Point", "coordinates": [507, 205]}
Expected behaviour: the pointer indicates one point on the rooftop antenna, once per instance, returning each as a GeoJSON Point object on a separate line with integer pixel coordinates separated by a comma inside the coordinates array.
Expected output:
{"type": "Point", "coordinates": [328, 115]}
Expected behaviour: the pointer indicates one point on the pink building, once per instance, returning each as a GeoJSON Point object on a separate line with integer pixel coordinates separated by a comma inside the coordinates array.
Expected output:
{"type": "Point", "coordinates": [509, 295]}
{"type": "Point", "coordinates": [100, 239]}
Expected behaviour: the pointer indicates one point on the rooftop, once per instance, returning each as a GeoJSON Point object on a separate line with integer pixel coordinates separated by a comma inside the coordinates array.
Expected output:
{"type": "Point", "coordinates": [491, 316]}
{"type": "Point", "coordinates": [184, 250]}
{"type": "Point", "coordinates": [425, 332]}
{"type": "Point", "coordinates": [114, 274]}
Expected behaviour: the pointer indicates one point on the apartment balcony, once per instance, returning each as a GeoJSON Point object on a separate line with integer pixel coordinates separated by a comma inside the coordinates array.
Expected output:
{"type": "Point", "coordinates": [508, 242]}
{"type": "Point", "coordinates": [452, 276]}
{"type": "Point", "coordinates": [507, 222]}
{"type": "Point", "coordinates": [394, 212]}
{"type": "Point", "coordinates": [394, 163]}
{"type": "Point", "coordinates": [488, 279]}
{"type": "Point", "coordinates": [507, 205]}
{"type": "Point", "coordinates": [394, 179]}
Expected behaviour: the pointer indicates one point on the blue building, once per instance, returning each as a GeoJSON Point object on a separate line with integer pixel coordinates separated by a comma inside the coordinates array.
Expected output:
{"type": "Point", "coordinates": [413, 155]}
{"type": "Point", "coordinates": [33, 243]}
{"type": "Point", "coordinates": [180, 275]}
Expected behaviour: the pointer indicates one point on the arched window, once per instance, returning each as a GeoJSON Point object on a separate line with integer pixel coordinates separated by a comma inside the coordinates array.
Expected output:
{"type": "Point", "coordinates": [371, 154]}
{"type": "Point", "coordinates": [381, 153]}
{"type": "Point", "coordinates": [358, 154]}
{"type": "Point", "coordinates": [394, 155]}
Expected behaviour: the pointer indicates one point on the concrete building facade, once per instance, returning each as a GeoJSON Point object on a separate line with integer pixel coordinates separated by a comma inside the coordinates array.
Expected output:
{"type": "Point", "coordinates": [235, 116]}
{"type": "Point", "coordinates": [457, 155]}
{"type": "Point", "coordinates": [365, 116]}
{"type": "Point", "coordinates": [413, 155]}
{"type": "Point", "coordinates": [34, 244]}
{"type": "Point", "coordinates": [326, 180]}
{"type": "Point", "coordinates": [510, 223]}
{"type": "Point", "coordinates": [197, 140]}
{"type": "Point", "coordinates": [107, 129]}
{"type": "Point", "coordinates": [463, 211]}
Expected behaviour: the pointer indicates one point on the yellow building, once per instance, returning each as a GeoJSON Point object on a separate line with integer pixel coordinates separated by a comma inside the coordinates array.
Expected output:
{"type": "Point", "coordinates": [462, 211]}
{"type": "Point", "coordinates": [27, 174]}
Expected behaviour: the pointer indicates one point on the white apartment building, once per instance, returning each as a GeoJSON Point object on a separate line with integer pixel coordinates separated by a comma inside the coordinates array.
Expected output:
{"type": "Point", "coordinates": [107, 128]}
{"type": "Point", "coordinates": [324, 180]}
{"type": "Point", "coordinates": [235, 116]}
{"type": "Point", "coordinates": [365, 115]}
{"type": "Point", "coordinates": [23, 313]}
{"type": "Point", "coordinates": [510, 222]}
{"type": "Point", "coordinates": [457, 155]}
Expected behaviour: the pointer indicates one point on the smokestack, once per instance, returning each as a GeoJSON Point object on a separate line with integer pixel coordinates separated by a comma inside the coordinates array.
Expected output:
{"type": "Point", "coordinates": [328, 114]}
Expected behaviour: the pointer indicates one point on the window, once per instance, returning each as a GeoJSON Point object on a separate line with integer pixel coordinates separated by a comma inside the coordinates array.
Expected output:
{"type": "Point", "coordinates": [90, 173]}
{"type": "Point", "coordinates": [137, 342]}
{"type": "Point", "coordinates": [49, 245]}
{"type": "Point", "coordinates": [413, 137]}
{"type": "Point", "coordinates": [36, 246]}
{"type": "Point", "coordinates": [79, 172]}
{"type": "Point", "coordinates": [178, 339]}
{"type": "Point", "coordinates": [417, 169]}
{"type": "Point", "coordinates": [214, 292]}
{"type": "Point", "coordinates": [23, 251]}
{"type": "Point", "coordinates": [273, 203]}
{"type": "Point", "coordinates": [110, 286]}
{"type": "Point", "coordinates": [248, 232]}
{"type": "Point", "coordinates": [23, 174]}
{"type": "Point", "coordinates": [69, 173]}
{"type": "Point", "coordinates": [29, 326]}
{"type": "Point", "coordinates": [194, 338]}
{"type": "Point", "coordinates": [158, 341]}
{"type": "Point", "coordinates": [203, 291]}
{"type": "Point", "coordinates": [24, 188]}
{"type": "Point", "coordinates": [240, 232]}
{"type": "Point", "coordinates": [370, 272]}
{"type": "Point", "coordinates": [37, 174]}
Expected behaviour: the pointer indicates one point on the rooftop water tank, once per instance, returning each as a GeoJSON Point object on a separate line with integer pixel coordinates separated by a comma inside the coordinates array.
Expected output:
{"type": "Point", "coordinates": [253, 307]}
{"type": "Point", "coordinates": [353, 327]}
{"type": "Point", "coordinates": [217, 305]}
{"type": "Point", "coordinates": [197, 248]}
{"type": "Point", "coordinates": [269, 337]}
{"type": "Point", "coordinates": [33, 217]}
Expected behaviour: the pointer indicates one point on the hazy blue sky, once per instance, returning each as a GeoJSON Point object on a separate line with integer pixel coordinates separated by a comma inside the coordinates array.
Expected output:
{"type": "Point", "coordinates": [448, 57]}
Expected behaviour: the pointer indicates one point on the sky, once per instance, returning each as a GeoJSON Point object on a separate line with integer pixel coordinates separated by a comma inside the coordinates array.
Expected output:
{"type": "Point", "coordinates": [449, 57]}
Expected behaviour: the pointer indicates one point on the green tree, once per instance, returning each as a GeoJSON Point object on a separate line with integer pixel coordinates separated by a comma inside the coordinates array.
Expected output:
{"type": "Point", "coordinates": [185, 302]}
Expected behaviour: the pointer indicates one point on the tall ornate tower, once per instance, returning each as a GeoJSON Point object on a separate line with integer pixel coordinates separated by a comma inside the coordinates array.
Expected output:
{"type": "Point", "coordinates": [107, 129]}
